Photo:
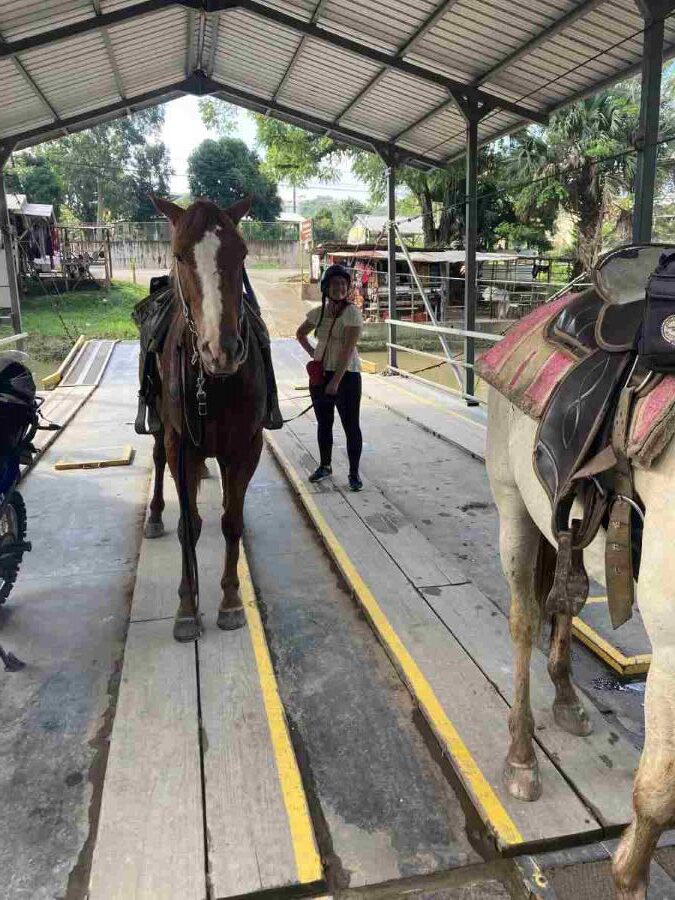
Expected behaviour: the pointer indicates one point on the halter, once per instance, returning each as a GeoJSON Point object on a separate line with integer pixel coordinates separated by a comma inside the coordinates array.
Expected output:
{"type": "Point", "coordinates": [196, 359]}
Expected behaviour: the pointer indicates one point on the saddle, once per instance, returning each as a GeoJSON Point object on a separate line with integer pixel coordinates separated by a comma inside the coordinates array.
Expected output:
{"type": "Point", "coordinates": [621, 335]}
{"type": "Point", "coordinates": [152, 316]}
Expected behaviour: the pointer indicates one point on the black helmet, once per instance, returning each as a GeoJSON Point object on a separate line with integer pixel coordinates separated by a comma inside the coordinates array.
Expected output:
{"type": "Point", "coordinates": [16, 382]}
{"type": "Point", "coordinates": [331, 272]}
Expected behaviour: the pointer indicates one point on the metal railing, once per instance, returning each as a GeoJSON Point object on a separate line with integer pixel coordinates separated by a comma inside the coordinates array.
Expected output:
{"type": "Point", "coordinates": [445, 331]}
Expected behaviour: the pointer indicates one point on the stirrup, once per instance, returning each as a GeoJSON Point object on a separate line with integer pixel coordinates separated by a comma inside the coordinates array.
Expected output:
{"type": "Point", "coordinates": [570, 584]}
{"type": "Point", "coordinates": [273, 420]}
{"type": "Point", "coordinates": [139, 424]}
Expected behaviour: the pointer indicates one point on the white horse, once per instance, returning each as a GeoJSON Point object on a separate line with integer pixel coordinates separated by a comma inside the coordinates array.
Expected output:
{"type": "Point", "coordinates": [525, 521]}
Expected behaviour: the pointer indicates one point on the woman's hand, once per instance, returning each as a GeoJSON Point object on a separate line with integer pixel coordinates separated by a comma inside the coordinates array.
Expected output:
{"type": "Point", "coordinates": [332, 386]}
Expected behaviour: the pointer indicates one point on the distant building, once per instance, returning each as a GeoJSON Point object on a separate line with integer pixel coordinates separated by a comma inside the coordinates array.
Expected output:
{"type": "Point", "coordinates": [366, 228]}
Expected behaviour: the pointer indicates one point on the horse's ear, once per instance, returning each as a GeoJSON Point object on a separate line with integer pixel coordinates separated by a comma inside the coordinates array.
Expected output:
{"type": "Point", "coordinates": [238, 210]}
{"type": "Point", "coordinates": [172, 211]}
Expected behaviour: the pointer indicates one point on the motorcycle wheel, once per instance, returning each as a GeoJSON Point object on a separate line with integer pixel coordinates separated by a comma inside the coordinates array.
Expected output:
{"type": "Point", "coordinates": [12, 529]}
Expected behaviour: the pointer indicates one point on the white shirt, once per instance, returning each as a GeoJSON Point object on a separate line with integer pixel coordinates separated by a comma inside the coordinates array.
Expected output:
{"type": "Point", "coordinates": [350, 318]}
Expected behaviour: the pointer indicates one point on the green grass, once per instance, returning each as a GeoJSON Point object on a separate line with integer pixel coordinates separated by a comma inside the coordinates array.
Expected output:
{"type": "Point", "coordinates": [55, 322]}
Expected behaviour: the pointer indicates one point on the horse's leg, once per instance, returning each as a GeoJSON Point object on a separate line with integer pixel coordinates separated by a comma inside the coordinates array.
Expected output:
{"type": "Point", "coordinates": [154, 527]}
{"type": "Point", "coordinates": [568, 710]}
{"type": "Point", "coordinates": [518, 545]}
{"type": "Point", "coordinates": [235, 482]}
{"type": "Point", "coordinates": [654, 788]}
{"type": "Point", "coordinates": [187, 626]}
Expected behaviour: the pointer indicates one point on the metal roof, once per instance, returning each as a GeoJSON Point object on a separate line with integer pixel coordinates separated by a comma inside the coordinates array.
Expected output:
{"type": "Point", "coordinates": [388, 74]}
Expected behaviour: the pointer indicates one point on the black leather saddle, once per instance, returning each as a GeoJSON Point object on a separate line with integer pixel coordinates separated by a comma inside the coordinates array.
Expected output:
{"type": "Point", "coordinates": [581, 439]}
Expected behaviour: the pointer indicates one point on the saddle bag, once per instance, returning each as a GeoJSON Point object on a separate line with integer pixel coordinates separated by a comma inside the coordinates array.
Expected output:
{"type": "Point", "coordinates": [656, 346]}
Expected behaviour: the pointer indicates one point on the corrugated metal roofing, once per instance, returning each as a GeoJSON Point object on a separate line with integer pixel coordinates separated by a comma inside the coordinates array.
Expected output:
{"type": "Point", "coordinates": [368, 71]}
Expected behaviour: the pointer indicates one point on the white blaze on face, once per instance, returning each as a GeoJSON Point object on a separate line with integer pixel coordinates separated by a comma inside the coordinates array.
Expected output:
{"type": "Point", "coordinates": [206, 258]}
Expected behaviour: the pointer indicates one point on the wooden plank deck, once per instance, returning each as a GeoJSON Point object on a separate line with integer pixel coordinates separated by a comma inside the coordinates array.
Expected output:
{"type": "Point", "coordinates": [199, 741]}
{"type": "Point", "coordinates": [433, 661]}
{"type": "Point", "coordinates": [627, 651]}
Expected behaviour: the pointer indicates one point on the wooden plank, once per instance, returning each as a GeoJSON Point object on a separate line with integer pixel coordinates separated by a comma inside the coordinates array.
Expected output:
{"type": "Point", "coordinates": [150, 840]}
{"type": "Point", "coordinates": [601, 766]}
{"type": "Point", "coordinates": [423, 564]}
{"type": "Point", "coordinates": [433, 663]}
{"type": "Point", "coordinates": [102, 458]}
{"type": "Point", "coordinates": [251, 847]}
{"type": "Point", "coordinates": [158, 572]}
{"type": "Point", "coordinates": [443, 418]}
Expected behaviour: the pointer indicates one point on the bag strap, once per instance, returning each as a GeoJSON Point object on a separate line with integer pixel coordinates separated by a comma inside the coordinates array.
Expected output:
{"type": "Point", "coordinates": [330, 331]}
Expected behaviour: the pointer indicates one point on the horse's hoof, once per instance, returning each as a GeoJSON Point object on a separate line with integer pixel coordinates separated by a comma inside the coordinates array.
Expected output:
{"type": "Point", "coordinates": [153, 529]}
{"type": "Point", "coordinates": [187, 628]}
{"type": "Point", "coordinates": [573, 719]}
{"type": "Point", "coordinates": [231, 619]}
{"type": "Point", "coordinates": [522, 782]}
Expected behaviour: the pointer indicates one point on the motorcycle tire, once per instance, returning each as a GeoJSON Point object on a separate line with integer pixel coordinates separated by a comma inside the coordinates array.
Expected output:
{"type": "Point", "coordinates": [12, 529]}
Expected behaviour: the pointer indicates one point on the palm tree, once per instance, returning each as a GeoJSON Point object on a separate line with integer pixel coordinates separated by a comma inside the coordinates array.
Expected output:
{"type": "Point", "coordinates": [578, 163]}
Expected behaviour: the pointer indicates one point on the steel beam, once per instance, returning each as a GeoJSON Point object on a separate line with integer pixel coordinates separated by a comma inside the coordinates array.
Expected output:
{"type": "Point", "coordinates": [318, 9]}
{"type": "Point", "coordinates": [340, 133]}
{"type": "Point", "coordinates": [425, 118]}
{"type": "Point", "coordinates": [391, 253]}
{"type": "Point", "coordinates": [310, 29]}
{"type": "Point", "coordinates": [85, 120]}
{"type": "Point", "coordinates": [650, 105]}
{"type": "Point", "coordinates": [115, 17]}
{"type": "Point", "coordinates": [117, 75]}
{"type": "Point", "coordinates": [472, 115]}
{"type": "Point", "coordinates": [213, 49]}
{"type": "Point", "coordinates": [6, 151]}
{"type": "Point", "coordinates": [6, 234]}
{"type": "Point", "coordinates": [655, 9]}
{"type": "Point", "coordinates": [21, 69]}
{"type": "Point", "coordinates": [668, 53]}
{"type": "Point", "coordinates": [583, 9]}
{"type": "Point", "coordinates": [432, 20]}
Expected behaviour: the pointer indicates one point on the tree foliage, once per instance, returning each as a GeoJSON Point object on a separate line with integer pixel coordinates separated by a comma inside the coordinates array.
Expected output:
{"type": "Point", "coordinates": [295, 155]}
{"type": "Point", "coordinates": [332, 217]}
{"type": "Point", "coordinates": [226, 170]}
{"type": "Point", "coordinates": [108, 168]}
{"type": "Point", "coordinates": [217, 115]}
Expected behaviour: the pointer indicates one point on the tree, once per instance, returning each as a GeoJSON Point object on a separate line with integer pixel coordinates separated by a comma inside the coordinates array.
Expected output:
{"type": "Point", "coordinates": [324, 225]}
{"type": "Point", "coordinates": [226, 170]}
{"type": "Point", "coordinates": [296, 155]}
{"type": "Point", "coordinates": [217, 115]}
{"type": "Point", "coordinates": [342, 214]}
{"type": "Point", "coordinates": [104, 172]}
{"type": "Point", "coordinates": [32, 175]}
{"type": "Point", "coordinates": [579, 163]}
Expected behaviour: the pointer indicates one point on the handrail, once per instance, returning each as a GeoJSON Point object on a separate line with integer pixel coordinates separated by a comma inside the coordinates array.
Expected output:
{"type": "Point", "coordinates": [443, 329]}
{"type": "Point", "coordinates": [13, 338]}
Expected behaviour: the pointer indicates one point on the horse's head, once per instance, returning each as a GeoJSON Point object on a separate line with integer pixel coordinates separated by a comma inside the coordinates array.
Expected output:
{"type": "Point", "coordinates": [209, 258]}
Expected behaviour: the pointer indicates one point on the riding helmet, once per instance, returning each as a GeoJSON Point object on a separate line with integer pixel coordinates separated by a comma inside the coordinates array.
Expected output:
{"type": "Point", "coordinates": [331, 272]}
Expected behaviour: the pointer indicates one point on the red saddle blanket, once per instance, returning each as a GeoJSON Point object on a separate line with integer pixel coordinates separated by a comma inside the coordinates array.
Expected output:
{"type": "Point", "coordinates": [526, 369]}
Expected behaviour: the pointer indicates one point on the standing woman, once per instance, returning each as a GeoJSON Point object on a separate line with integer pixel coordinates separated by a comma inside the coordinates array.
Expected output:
{"type": "Point", "coordinates": [337, 324]}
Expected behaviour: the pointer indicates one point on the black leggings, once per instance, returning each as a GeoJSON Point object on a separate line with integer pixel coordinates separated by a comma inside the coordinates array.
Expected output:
{"type": "Point", "coordinates": [348, 402]}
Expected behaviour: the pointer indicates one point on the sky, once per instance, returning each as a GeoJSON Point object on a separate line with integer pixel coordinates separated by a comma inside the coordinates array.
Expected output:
{"type": "Point", "coordinates": [183, 131]}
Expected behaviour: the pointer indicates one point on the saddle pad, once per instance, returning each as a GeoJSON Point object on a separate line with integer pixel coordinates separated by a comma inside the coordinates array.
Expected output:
{"type": "Point", "coordinates": [523, 366]}
{"type": "Point", "coordinates": [652, 423]}
{"type": "Point", "coordinates": [526, 369]}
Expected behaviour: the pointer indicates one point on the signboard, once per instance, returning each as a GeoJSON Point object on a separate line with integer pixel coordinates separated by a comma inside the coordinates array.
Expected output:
{"type": "Point", "coordinates": [306, 230]}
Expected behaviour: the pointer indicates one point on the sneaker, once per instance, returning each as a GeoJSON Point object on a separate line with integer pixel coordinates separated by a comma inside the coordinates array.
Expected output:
{"type": "Point", "coordinates": [320, 473]}
{"type": "Point", "coordinates": [355, 483]}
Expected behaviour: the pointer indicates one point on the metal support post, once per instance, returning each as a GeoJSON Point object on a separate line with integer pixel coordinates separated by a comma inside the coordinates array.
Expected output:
{"type": "Point", "coordinates": [391, 253]}
{"type": "Point", "coordinates": [470, 243]}
{"type": "Point", "coordinates": [7, 243]}
{"type": "Point", "coordinates": [429, 309]}
{"type": "Point", "coordinates": [650, 103]}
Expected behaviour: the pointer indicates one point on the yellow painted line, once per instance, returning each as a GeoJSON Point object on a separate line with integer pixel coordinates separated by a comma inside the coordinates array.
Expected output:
{"type": "Point", "coordinates": [624, 665]}
{"type": "Point", "coordinates": [489, 805]}
{"type": "Point", "coordinates": [51, 381]}
{"type": "Point", "coordinates": [307, 859]}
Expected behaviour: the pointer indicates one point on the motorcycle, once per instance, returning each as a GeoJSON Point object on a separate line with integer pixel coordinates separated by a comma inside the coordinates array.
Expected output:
{"type": "Point", "coordinates": [19, 422]}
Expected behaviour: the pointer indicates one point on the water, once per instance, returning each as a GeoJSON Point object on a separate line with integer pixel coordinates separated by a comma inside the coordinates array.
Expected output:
{"type": "Point", "coordinates": [443, 375]}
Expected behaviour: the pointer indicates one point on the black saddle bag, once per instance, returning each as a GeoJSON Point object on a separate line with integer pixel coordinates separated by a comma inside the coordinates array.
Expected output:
{"type": "Point", "coordinates": [657, 339]}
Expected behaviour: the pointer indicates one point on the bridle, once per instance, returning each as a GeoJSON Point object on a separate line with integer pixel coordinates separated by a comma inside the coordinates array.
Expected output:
{"type": "Point", "coordinates": [196, 359]}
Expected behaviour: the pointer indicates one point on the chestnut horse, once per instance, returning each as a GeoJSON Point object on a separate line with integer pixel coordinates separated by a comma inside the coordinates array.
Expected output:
{"type": "Point", "coordinates": [207, 346]}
